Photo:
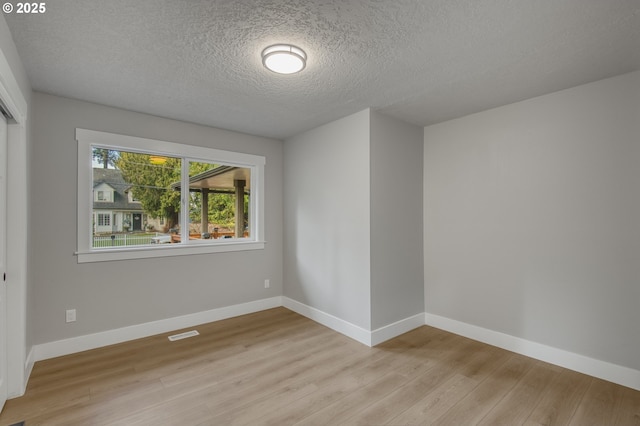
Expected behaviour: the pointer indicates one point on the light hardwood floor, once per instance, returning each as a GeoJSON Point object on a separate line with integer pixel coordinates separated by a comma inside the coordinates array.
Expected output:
{"type": "Point", "coordinates": [278, 368]}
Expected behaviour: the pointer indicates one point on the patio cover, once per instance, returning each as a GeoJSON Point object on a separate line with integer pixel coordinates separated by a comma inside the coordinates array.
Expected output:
{"type": "Point", "coordinates": [221, 180]}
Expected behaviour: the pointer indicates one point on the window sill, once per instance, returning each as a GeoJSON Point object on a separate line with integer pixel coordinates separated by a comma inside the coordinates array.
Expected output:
{"type": "Point", "coordinates": [108, 255]}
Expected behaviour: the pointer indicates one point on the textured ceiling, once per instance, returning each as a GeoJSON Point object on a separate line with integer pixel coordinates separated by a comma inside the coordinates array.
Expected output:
{"type": "Point", "coordinates": [420, 61]}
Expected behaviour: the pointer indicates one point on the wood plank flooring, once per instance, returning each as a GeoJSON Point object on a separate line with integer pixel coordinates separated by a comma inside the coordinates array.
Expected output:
{"type": "Point", "coordinates": [278, 368]}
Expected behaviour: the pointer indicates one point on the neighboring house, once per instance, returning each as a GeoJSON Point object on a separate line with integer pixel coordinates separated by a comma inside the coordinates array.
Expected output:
{"type": "Point", "coordinates": [113, 204]}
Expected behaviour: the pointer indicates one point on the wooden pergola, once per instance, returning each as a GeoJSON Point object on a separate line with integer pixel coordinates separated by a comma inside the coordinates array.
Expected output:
{"type": "Point", "coordinates": [221, 180]}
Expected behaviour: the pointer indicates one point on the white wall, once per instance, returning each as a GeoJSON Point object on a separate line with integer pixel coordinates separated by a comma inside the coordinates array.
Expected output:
{"type": "Point", "coordinates": [327, 221]}
{"type": "Point", "coordinates": [19, 290]}
{"type": "Point", "coordinates": [531, 220]}
{"type": "Point", "coordinates": [397, 283]}
{"type": "Point", "coordinates": [111, 295]}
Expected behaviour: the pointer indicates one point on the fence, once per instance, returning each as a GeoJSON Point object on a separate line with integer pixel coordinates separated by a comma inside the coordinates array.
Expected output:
{"type": "Point", "coordinates": [118, 240]}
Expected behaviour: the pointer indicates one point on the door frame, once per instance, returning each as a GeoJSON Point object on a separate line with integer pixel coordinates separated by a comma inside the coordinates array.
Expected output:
{"type": "Point", "coordinates": [19, 361]}
{"type": "Point", "coordinates": [4, 327]}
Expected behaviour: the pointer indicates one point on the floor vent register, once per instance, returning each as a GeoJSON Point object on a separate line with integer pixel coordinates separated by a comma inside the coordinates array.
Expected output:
{"type": "Point", "coordinates": [184, 335]}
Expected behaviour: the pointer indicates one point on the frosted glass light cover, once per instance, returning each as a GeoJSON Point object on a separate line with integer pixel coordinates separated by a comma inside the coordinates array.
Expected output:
{"type": "Point", "coordinates": [284, 59]}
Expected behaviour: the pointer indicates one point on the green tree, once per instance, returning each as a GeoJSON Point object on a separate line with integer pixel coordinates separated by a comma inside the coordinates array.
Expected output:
{"type": "Point", "coordinates": [151, 183]}
{"type": "Point", "coordinates": [222, 209]}
{"type": "Point", "coordinates": [152, 178]}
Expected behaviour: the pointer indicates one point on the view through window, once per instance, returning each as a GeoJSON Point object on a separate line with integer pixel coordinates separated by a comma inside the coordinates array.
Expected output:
{"type": "Point", "coordinates": [138, 199]}
{"type": "Point", "coordinates": [141, 198]}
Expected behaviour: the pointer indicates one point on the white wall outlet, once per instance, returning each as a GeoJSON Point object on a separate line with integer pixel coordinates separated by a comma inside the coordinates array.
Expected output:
{"type": "Point", "coordinates": [71, 315]}
{"type": "Point", "coordinates": [267, 284]}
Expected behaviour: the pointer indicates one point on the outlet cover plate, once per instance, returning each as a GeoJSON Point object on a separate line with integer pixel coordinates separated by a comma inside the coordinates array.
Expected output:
{"type": "Point", "coordinates": [71, 315]}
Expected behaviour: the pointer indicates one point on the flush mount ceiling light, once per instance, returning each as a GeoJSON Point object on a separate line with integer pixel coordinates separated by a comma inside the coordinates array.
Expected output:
{"type": "Point", "coordinates": [284, 58]}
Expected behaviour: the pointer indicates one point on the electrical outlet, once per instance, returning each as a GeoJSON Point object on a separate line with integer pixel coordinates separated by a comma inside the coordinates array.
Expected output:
{"type": "Point", "coordinates": [267, 284]}
{"type": "Point", "coordinates": [71, 315]}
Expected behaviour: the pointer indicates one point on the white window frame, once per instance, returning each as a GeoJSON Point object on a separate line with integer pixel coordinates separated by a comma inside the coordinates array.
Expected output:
{"type": "Point", "coordinates": [89, 138]}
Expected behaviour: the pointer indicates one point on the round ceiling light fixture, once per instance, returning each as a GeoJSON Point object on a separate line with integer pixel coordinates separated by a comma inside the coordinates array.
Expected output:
{"type": "Point", "coordinates": [284, 58]}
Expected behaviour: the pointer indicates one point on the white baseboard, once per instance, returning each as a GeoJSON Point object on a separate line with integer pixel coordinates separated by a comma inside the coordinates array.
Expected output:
{"type": "Point", "coordinates": [390, 331]}
{"type": "Point", "coordinates": [593, 367]}
{"type": "Point", "coordinates": [28, 367]}
{"type": "Point", "coordinates": [110, 337]}
{"type": "Point", "coordinates": [341, 326]}
{"type": "Point", "coordinates": [369, 338]}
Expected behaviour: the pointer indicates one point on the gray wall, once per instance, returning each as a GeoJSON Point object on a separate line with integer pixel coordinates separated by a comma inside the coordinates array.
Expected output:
{"type": "Point", "coordinates": [109, 295]}
{"type": "Point", "coordinates": [326, 216]}
{"type": "Point", "coordinates": [531, 219]}
{"type": "Point", "coordinates": [397, 281]}
{"type": "Point", "coordinates": [11, 53]}
{"type": "Point", "coordinates": [353, 215]}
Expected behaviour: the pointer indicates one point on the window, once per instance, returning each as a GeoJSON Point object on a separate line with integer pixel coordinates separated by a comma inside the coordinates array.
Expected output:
{"type": "Point", "coordinates": [206, 200]}
{"type": "Point", "coordinates": [104, 219]}
{"type": "Point", "coordinates": [101, 193]}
